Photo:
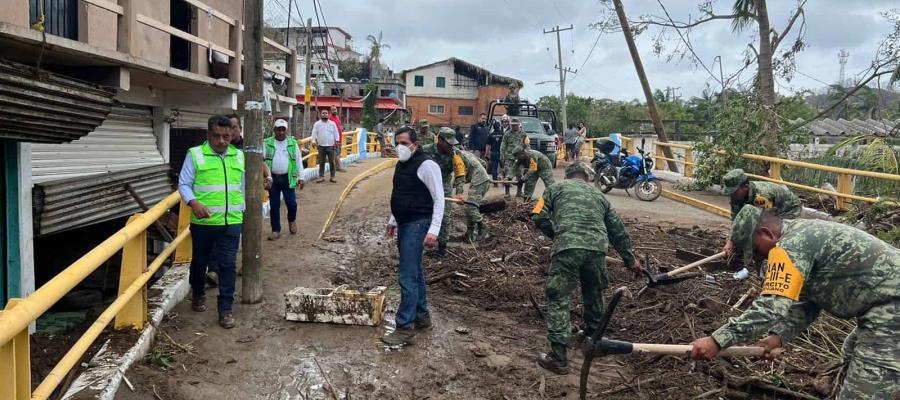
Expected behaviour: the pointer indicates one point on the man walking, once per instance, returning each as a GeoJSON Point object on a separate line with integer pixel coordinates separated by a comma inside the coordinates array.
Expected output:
{"type": "Point", "coordinates": [334, 117]}
{"type": "Point", "coordinates": [417, 207]}
{"type": "Point", "coordinates": [212, 184]}
{"type": "Point", "coordinates": [514, 141]}
{"type": "Point", "coordinates": [325, 136]}
{"type": "Point", "coordinates": [582, 224]}
{"type": "Point", "coordinates": [478, 136]}
{"type": "Point", "coordinates": [537, 165]}
{"type": "Point", "coordinates": [570, 136]}
{"type": "Point", "coordinates": [283, 159]}
{"type": "Point", "coordinates": [816, 266]}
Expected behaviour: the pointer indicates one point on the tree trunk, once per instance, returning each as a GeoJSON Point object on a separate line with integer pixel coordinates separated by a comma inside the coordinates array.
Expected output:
{"type": "Point", "coordinates": [765, 77]}
{"type": "Point", "coordinates": [645, 85]}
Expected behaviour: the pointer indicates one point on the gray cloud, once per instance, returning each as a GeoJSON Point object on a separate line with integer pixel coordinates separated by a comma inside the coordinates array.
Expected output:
{"type": "Point", "coordinates": [506, 37]}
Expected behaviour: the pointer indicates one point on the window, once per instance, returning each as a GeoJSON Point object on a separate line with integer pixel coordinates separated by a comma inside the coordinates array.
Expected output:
{"type": "Point", "coordinates": [362, 92]}
{"type": "Point", "coordinates": [435, 109]}
{"type": "Point", "coordinates": [441, 82]}
{"type": "Point", "coordinates": [335, 92]}
{"type": "Point", "coordinates": [466, 110]}
{"type": "Point", "coordinates": [420, 80]}
{"type": "Point", "coordinates": [385, 93]}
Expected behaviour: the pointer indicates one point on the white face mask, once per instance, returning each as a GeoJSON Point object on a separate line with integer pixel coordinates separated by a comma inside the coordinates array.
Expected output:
{"type": "Point", "coordinates": [403, 152]}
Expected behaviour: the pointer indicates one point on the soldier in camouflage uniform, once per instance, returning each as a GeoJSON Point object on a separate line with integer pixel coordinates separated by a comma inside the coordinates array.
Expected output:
{"type": "Point", "coordinates": [474, 172]}
{"type": "Point", "coordinates": [760, 194]}
{"type": "Point", "coordinates": [425, 136]}
{"type": "Point", "coordinates": [443, 154]}
{"type": "Point", "coordinates": [512, 97]}
{"type": "Point", "coordinates": [514, 141]}
{"type": "Point", "coordinates": [582, 224]}
{"type": "Point", "coordinates": [816, 266]}
{"type": "Point", "coordinates": [538, 166]}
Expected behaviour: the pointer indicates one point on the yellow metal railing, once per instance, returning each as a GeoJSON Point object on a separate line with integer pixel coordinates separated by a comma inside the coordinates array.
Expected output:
{"type": "Point", "coordinates": [129, 310]}
{"type": "Point", "coordinates": [843, 192]}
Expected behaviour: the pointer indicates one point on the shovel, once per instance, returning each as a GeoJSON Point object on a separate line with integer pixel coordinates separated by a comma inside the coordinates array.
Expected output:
{"type": "Point", "coordinates": [670, 277]}
{"type": "Point", "coordinates": [599, 346]}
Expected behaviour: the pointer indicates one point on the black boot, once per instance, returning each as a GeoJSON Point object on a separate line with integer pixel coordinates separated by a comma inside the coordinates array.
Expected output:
{"type": "Point", "coordinates": [481, 231]}
{"type": "Point", "coordinates": [555, 360]}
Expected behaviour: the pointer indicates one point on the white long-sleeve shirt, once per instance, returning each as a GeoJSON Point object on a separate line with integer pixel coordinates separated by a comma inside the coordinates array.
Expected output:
{"type": "Point", "coordinates": [430, 174]}
{"type": "Point", "coordinates": [325, 133]}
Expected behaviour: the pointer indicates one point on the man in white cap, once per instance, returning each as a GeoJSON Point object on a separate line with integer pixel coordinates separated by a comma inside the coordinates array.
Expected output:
{"type": "Point", "coordinates": [284, 160]}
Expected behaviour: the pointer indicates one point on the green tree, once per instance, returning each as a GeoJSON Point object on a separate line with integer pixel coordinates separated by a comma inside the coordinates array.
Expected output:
{"type": "Point", "coordinates": [370, 115]}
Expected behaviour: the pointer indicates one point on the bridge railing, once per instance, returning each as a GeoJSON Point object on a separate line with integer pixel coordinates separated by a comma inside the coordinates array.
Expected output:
{"type": "Point", "coordinates": [129, 310]}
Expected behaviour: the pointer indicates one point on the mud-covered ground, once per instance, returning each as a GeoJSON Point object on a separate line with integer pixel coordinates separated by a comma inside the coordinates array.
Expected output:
{"type": "Point", "coordinates": [494, 291]}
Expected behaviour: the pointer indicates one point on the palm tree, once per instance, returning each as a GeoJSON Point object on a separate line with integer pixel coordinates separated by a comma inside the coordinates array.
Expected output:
{"type": "Point", "coordinates": [377, 45]}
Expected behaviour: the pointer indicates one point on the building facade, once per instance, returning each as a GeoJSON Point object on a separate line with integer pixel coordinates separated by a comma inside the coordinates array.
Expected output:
{"type": "Point", "coordinates": [452, 91]}
{"type": "Point", "coordinates": [105, 95]}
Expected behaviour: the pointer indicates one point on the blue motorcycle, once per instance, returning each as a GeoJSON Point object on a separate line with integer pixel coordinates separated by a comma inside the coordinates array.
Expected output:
{"type": "Point", "coordinates": [615, 169]}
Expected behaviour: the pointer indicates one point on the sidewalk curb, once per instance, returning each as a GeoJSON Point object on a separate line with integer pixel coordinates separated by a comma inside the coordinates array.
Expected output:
{"type": "Point", "coordinates": [107, 369]}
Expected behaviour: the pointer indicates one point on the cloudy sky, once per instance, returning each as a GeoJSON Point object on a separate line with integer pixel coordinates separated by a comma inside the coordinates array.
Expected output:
{"type": "Point", "coordinates": [505, 36]}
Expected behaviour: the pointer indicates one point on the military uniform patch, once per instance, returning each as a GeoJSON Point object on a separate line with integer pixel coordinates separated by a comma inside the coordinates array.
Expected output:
{"type": "Point", "coordinates": [539, 206]}
{"type": "Point", "coordinates": [459, 166]}
{"type": "Point", "coordinates": [782, 276]}
{"type": "Point", "coordinates": [763, 202]}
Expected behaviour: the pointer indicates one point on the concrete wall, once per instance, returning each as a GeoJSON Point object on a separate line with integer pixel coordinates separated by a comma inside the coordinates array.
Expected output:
{"type": "Point", "coordinates": [15, 12]}
{"type": "Point", "coordinates": [430, 88]}
{"type": "Point", "coordinates": [419, 106]}
{"type": "Point", "coordinates": [214, 30]}
{"type": "Point", "coordinates": [97, 27]}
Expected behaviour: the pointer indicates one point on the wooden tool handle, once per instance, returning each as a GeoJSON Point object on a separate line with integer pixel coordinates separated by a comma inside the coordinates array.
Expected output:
{"type": "Point", "coordinates": [695, 264]}
{"type": "Point", "coordinates": [684, 349]}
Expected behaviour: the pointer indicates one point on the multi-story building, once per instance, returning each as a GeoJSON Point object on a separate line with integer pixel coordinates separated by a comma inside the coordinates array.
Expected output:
{"type": "Point", "coordinates": [97, 96]}
{"type": "Point", "coordinates": [452, 91]}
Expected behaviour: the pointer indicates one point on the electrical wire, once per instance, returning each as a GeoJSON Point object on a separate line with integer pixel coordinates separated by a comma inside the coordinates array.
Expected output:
{"type": "Point", "coordinates": [589, 54]}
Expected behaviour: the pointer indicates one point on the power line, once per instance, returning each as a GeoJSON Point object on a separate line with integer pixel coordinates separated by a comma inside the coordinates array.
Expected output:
{"type": "Point", "coordinates": [589, 54]}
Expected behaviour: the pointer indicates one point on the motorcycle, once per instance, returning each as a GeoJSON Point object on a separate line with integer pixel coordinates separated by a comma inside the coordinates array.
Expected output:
{"type": "Point", "coordinates": [623, 171]}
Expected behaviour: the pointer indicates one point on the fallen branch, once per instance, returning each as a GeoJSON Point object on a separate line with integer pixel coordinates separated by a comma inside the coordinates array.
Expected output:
{"type": "Point", "coordinates": [445, 275]}
{"type": "Point", "coordinates": [537, 307]}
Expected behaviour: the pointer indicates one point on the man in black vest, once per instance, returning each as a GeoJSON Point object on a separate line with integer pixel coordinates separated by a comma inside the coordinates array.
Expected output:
{"type": "Point", "coordinates": [417, 207]}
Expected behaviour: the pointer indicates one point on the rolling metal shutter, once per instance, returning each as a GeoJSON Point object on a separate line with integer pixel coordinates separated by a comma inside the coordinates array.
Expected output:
{"type": "Point", "coordinates": [124, 141]}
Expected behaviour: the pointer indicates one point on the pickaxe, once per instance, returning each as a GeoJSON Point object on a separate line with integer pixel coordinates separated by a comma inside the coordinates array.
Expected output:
{"type": "Point", "coordinates": [460, 201]}
{"type": "Point", "coordinates": [599, 346]}
{"type": "Point", "coordinates": [505, 182]}
{"type": "Point", "coordinates": [670, 277]}
{"type": "Point", "coordinates": [487, 206]}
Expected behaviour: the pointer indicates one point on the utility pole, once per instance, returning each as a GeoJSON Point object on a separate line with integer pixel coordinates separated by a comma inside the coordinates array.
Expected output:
{"type": "Point", "coordinates": [251, 239]}
{"type": "Point", "coordinates": [307, 91]}
{"type": "Point", "coordinates": [562, 73]}
{"type": "Point", "coordinates": [645, 84]}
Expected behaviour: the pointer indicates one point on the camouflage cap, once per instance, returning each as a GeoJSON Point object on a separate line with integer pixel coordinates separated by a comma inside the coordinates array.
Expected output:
{"type": "Point", "coordinates": [449, 135]}
{"type": "Point", "coordinates": [423, 122]}
{"type": "Point", "coordinates": [579, 167]}
{"type": "Point", "coordinates": [515, 121]}
{"type": "Point", "coordinates": [732, 181]}
{"type": "Point", "coordinates": [743, 227]}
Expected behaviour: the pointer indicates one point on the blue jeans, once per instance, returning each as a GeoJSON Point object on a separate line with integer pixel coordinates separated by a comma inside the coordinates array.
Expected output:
{"type": "Point", "coordinates": [281, 184]}
{"type": "Point", "coordinates": [224, 241]}
{"type": "Point", "coordinates": [413, 300]}
{"type": "Point", "coordinates": [495, 165]}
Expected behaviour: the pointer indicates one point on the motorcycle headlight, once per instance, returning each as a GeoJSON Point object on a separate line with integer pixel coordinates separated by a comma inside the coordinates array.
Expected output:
{"type": "Point", "coordinates": [648, 163]}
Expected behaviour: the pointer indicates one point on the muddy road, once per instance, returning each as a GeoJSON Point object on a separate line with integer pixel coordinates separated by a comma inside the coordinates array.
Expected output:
{"type": "Point", "coordinates": [487, 329]}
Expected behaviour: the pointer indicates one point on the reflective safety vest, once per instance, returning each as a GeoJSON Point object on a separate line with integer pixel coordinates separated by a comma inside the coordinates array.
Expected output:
{"type": "Point", "coordinates": [292, 149]}
{"type": "Point", "coordinates": [217, 184]}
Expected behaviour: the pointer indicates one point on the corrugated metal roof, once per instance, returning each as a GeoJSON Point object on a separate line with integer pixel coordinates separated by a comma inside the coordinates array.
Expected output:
{"type": "Point", "coordinates": [43, 107]}
{"type": "Point", "coordinates": [71, 203]}
{"type": "Point", "coordinates": [856, 127]}
{"type": "Point", "coordinates": [125, 141]}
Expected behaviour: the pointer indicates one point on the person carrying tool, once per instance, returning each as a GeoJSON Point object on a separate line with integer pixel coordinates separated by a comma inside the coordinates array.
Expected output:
{"type": "Point", "coordinates": [761, 194]}
{"type": "Point", "coordinates": [442, 153]}
{"type": "Point", "coordinates": [816, 266]}
{"type": "Point", "coordinates": [425, 136]}
{"type": "Point", "coordinates": [513, 142]}
{"type": "Point", "coordinates": [473, 171]}
{"type": "Point", "coordinates": [582, 224]}
{"type": "Point", "coordinates": [538, 166]}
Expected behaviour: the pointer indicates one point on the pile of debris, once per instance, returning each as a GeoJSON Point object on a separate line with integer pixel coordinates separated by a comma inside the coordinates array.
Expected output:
{"type": "Point", "coordinates": [507, 272]}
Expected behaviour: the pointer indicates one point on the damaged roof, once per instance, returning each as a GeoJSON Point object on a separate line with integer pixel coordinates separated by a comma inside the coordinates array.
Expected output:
{"type": "Point", "coordinates": [467, 69]}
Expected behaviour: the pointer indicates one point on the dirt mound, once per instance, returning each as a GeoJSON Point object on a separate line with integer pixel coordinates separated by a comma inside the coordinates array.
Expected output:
{"type": "Point", "coordinates": [497, 285]}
